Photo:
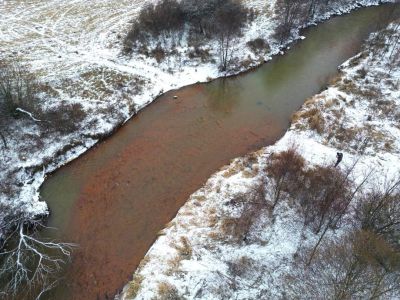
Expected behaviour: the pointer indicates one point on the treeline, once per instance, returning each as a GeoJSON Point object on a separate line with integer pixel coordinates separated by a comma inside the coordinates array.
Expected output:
{"type": "Point", "coordinates": [363, 262]}
{"type": "Point", "coordinates": [221, 20]}
{"type": "Point", "coordinates": [294, 13]}
{"type": "Point", "coordinates": [160, 27]}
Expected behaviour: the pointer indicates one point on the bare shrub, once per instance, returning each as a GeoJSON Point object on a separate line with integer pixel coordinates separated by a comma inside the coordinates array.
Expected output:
{"type": "Point", "coordinates": [158, 53]}
{"type": "Point", "coordinates": [184, 249]}
{"type": "Point", "coordinates": [325, 194]}
{"type": "Point", "coordinates": [211, 19]}
{"type": "Point", "coordinates": [239, 267]}
{"type": "Point", "coordinates": [134, 286]}
{"type": "Point", "coordinates": [379, 212]}
{"type": "Point", "coordinates": [17, 95]}
{"type": "Point", "coordinates": [258, 46]}
{"type": "Point", "coordinates": [198, 52]}
{"type": "Point", "coordinates": [359, 266]}
{"type": "Point", "coordinates": [167, 291]}
{"type": "Point", "coordinates": [289, 13]}
{"type": "Point", "coordinates": [156, 20]}
{"type": "Point", "coordinates": [65, 118]}
{"type": "Point", "coordinates": [251, 205]}
{"type": "Point", "coordinates": [284, 170]}
{"type": "Point", "coordinates": [17, 88]}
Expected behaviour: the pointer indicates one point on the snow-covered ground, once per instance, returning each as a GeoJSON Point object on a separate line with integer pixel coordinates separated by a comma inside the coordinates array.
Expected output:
{"type": "Point", "coordinates": [74, 49]}
{"type": "Point", "coordinates": [197, 257]}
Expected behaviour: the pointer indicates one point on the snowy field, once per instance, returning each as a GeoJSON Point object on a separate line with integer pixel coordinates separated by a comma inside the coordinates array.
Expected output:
{"type": "Point", "coordinates": [74, 49]}
{"type": "Point", "coordinates": [195, 258]}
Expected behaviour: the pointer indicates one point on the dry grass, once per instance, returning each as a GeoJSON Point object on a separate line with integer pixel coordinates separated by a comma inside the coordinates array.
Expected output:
{"type": "Point", "coordinates": [237, 166]}
{"type": "Point", "coordinates": [184, 248]}
{"type": "Point", "coordinates": [335, 81]}
{"type": "Point", "coordinates": [233, 169]}
{"type": "Point", "coordinates": [167, 291]}
{"type": "Point", "coordinates": [331, 102]}
{"type": "Point", "coordinates": [100, 83]}
{"type": "Point", "coordinates": [317, 122]}
{"type": "Point", "coordinates": [134, 286]}
{"type": "Point", "coordinates": [173, 265]}
{"type": "Point", "coordinates": [348, 86]}
{"type": "Point", "coordinates": [313, 117]}
{"type": "Point", "coordinates": [357, 138]}
{"type": "Point", "coordinates": [239, 267]}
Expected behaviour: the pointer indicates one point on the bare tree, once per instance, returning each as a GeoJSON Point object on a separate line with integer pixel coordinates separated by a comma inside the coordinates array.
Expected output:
{"type": "Point", "coordinates": [229, 19]}
{"type": "Point", "coordinates": [29, 266]}
{"type": "Point", "coordinates": [17, 94]}
{"type": "Point", "coordinates": [290, 12]}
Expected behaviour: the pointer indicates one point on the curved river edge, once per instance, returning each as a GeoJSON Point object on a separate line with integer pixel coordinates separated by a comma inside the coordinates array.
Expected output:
{"type": "Point", "coordinates": [66, 153]}
{"type": "Point", "coordinates": [124, 192]}
{"type": "Point", "coordinates": [193, 255]}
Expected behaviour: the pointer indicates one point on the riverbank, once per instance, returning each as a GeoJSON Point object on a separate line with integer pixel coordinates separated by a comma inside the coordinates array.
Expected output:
{"type": "Point", "coordinates": [196, 257]}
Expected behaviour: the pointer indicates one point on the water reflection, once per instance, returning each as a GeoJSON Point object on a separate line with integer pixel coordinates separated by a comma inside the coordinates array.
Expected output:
{"type": "Point", "coordinates": [224, 96]}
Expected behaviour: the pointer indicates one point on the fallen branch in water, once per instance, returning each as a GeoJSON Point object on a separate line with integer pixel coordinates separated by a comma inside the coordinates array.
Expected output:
{"type": "Point", "coordinates": [30, 265]}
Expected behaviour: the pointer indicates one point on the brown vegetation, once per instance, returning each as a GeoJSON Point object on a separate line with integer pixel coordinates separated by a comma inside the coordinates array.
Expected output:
{"type": "Point", "coordinates": [251, 206]}
{"type": "Point", "coordinates": [284, 170]}
{"type": "Point", "coordinates": [166, 20]}
{"type": "Point", "coordinates": [258, 46]}
{"type": "Point", "coordinates": [167, 291]}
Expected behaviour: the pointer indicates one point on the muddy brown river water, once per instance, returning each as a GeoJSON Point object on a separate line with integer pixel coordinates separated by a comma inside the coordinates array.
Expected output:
{"type": "Point", "coordinates": [113, 200]}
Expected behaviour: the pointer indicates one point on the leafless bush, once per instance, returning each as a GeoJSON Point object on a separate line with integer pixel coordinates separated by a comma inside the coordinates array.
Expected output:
{"type": "Point", "coordinates": [198, 52]}
{"type": "Point", "coordinates": [65, 118]}
{"type": "Point", "coordinates": [284, 169]}
{"type": "Point", "coordinates": [258, 46]}
{"type": "Point", "coordinates": [325, 193]}
{"type": "Point", "coordinates": [211, 19]}
{"type": "Point", "coordinates": [158, 53]}
{"type": "Point", "coordinates": [156, 20]}
{"type": "Point", "coordinates": [379, 212]}
{"type": "Point", "coordinates": [17, 95]}
{"type": "Point", "coordinates": [359, 266]}
{"type": "Point", "coordinates": [167, 291]}
{"type": "Point", "coordinates": [239, 267]}
{"type": "Point", "coordinates": [251, 205]}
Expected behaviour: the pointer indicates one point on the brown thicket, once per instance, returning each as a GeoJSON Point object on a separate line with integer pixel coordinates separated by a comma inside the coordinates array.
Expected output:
{"type": "Point", "coordinates": [361, 265]}
{"type": "Point", "coordinates": [285, 169]}
{"type": "Point", "coordinates": [221, 20]}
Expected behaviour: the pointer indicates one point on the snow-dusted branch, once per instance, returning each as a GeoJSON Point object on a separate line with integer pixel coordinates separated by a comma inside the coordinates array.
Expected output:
{"type": "Point", "coordinates": [30, 265]}
{"type": "Point", "coordinates": [29, 114]}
